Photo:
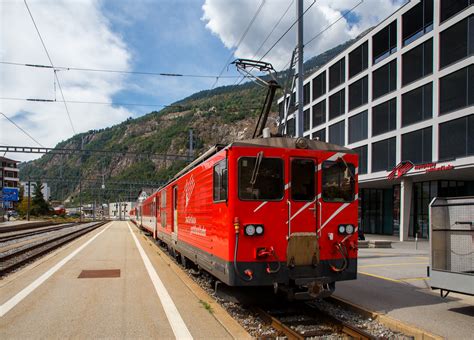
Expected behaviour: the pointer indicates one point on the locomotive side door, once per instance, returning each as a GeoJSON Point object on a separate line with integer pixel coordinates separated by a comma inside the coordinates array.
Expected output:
{"type": "Point", "coordinates": [302, 212]}
{"type": "Point", "coordinates": [175, 214]}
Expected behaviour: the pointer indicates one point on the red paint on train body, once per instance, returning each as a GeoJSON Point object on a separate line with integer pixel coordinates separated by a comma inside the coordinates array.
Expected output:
{"type": "Point", "coordinates": [290, 207]}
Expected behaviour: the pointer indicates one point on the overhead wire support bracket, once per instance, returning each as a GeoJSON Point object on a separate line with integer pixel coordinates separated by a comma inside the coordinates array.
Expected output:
{"type": "Point", "coordinates": [262, 66]}
{"type": "Point", "coordinates": [272, 85]}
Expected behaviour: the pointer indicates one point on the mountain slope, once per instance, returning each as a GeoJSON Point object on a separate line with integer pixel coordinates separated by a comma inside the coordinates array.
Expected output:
{"type": "Point", "coordinates": [221, 115]}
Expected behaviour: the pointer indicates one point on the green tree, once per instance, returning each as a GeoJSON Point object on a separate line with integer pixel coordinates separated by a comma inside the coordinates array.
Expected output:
{"type": "Point", "coordinates": [38, 204]}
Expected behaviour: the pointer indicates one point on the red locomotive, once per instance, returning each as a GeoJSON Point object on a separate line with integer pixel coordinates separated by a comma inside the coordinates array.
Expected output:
{"type": "Point", "coordinates": [276, 212]}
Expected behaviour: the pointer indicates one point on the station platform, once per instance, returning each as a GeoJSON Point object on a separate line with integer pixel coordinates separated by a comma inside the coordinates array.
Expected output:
{"type": "Point", "coordinates": [111, 283]}
{"type": "Point", "coordinates": [394, 282]}
{"type": "Point", "coordinates": [16, 222]}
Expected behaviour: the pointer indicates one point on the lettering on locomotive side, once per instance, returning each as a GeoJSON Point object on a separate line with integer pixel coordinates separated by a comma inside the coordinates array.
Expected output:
{"type": "Point", "coordinates": [188, 189]}
{"type": "Point", "coordinates": [190, 219]}
{"type": "Point", "coordinates": [198, 230]}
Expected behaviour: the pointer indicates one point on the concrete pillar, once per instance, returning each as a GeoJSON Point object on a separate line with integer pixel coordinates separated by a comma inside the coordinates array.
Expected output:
{"type": "Point", "coordinates": [406, 190]}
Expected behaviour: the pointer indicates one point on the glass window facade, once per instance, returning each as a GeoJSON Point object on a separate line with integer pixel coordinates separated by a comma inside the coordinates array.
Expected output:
{"type": "Point", "coordinates": [337, 104]}
{"type": "Point", "coordinates": [456, 42]}
{"type": "Point", "coordinates": [362, 152]}
{"type": "Point", "coordinates": [384, 79]}
{"type": "Point", "coordinates": [384, 154]}
{"type": "Point", "coordinates": [337, 73]}
{"type": "Point", "coordinates": [372, 212]}
{"type": "Point", "coordinates": [418, 62]}
{"type": "Point", "coordinates": [358, 93]}
{"type": "Point", "coordinates": [290, 127]}
{"type": "Point", "coordinates": [417, 146]}
{"type": "Point", "coordinates": [336, 133]}
{"type": "Point", "coordinates": [306, 93]}
{"type": "Point", "coordinates": [319, 85]}
{"type": "Point", "coordinates": [358, 126]}
{"type": "Point", "coordinates": [384, 117]}
{"type": "Point", "coordinates": [319, 135]}
{"type": "Point", "coordinates": [417, 21]}
{"type": "Point", "coordinates": [456, 90]}
{"type": "Point", "coordinates": [319, 113]}
{"type": "Point", "coordinates": [456, 138]}
{"type": "Point", "coordinates": [306, 119]}
{"type": "Point", "coordinates": [417, 105]}
{"type": "Point", "coordinates": [384, 42]}
{"type": "Point", "coordinates": [449, 8]}
{"type": "Point", "coordinates": [358, 60]}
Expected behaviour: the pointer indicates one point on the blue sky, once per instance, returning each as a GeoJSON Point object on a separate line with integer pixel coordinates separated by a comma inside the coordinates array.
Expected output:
{"type": "Point", "coordinates": [184, 36]}
{"type": "Point", "coordinates": [169, 38]}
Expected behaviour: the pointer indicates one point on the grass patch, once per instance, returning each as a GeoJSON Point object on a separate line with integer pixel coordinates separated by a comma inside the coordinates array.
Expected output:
{"type": "Point", "coordinates": [206, 306]}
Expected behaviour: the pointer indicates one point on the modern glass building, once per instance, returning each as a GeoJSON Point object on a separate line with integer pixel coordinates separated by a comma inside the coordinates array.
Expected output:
{"type": "Point", "coordinates": [403, 98]}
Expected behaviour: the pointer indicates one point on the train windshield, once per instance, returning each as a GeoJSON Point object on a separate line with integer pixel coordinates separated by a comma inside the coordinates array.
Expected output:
{"type": "Point", "coordinates": [338, 182]}
{"type": "Point", "coordinates": [260, 178]}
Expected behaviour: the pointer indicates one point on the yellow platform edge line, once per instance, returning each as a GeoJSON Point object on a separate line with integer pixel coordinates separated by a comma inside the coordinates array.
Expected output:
{"type": "Point", "coordinates": [391, 264]}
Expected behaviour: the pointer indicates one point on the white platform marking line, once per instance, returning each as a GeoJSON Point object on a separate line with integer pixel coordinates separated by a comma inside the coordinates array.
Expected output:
{"type": "Point", "coordinates": [177, 324]}
{"type": "Point", "coordinates": [7, 306]}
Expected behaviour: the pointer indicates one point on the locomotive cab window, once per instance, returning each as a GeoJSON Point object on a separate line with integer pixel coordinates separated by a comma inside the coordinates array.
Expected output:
{"type": "Point", "coordinates": [302, 180]}
{"type": "Point", "coordinates": [338, 182]}
{"type": "Point", "coordinates": [260, 178]}
{"type": "Point", "coordinates": [220, 181]}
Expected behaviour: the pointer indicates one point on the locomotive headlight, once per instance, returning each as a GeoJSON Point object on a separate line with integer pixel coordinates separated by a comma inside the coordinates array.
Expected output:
{"type": "Point", "coordinates": [349, 229]}
{"type": "Point", "coordinates": [250, 230]}
{"type": "Point", "coordinates": [341, 229]}
{"type": "Point", "coordinates": [259, 229]}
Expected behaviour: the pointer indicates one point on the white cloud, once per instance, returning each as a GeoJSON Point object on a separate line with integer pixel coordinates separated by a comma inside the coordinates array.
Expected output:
{"type": "Point", "coordinates": [229, 19]}
{"type": "Point", "coordinates": [76, 34]}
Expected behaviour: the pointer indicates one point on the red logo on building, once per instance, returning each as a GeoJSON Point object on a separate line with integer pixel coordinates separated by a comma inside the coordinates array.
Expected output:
{"type": "Point", "coordinates": [401, 169]}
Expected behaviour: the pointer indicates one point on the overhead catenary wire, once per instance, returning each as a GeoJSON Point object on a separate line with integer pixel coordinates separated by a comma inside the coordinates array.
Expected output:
{"type": "Point", "coordinates": [241, 79]}
{"type": "Point", "coordinates": [143, 73]}
{"type": "Point", "coordinates": [288, 30]}
{"type": "Point", "coordinates": [333, 23]}
{"type": "Point", "coordinates": [226, 64]}
{"type": "Point", "coordinates": [22, 130]}
{"type": "Point", "coordinates": [178, 106]}
{"type": "Point", "coordinates": [327, 28]}
{"type": "Point", "coordinates": [51, 61]}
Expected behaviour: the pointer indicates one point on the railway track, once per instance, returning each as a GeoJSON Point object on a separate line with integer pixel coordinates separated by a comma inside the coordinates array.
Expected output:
{"type": "Point", "coordinates": [14, 258]}
{"type": "Point", "coordinates": [305, 320]}
{"type": "Point", "coordinates": [34, 231]}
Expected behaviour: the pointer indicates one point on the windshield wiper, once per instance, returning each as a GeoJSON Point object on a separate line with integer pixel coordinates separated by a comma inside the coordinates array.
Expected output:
{"type": "Point", "coordinates": [258, 161]}
{"type": "Point", "coordinates": [347, 167]}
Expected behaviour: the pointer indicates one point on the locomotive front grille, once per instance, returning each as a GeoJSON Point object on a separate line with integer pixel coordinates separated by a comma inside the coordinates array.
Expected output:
{"type": "Point", "coordinates": [302, 250]}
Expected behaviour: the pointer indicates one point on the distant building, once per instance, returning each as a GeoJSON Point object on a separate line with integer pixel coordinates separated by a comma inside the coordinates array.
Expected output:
{"type": "Point", "coordinates": [46, 190]}
{"type": "Point", "coordinates": [402, 98]}
{"type": "Point", "coordinates": [120, 210]}
{"type": "Point", "coordinates": [9, 177]}
{"type": "Point", "coordinates": [9, 172]}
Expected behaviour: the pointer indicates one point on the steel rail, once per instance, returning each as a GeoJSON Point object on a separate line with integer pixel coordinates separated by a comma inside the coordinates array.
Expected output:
{"type": "Point", "coordinates": [33, 232]}
{"type": "Point", "coordinates": [27, 226]}
{"type": "Point", "coordinates": [285, 328]}
{"type": "Point", "coordinates": [41, 248]}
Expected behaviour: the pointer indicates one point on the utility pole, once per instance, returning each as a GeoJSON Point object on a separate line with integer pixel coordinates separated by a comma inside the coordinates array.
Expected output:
{"type": "Point", "coordinates": [299, 90]}
{"type": "Point", "coordinates": [191, 144]}
{"type": "Point", "coordinates": [29, 201]}
{"type": "Point", "coordinates": [80, 181]}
